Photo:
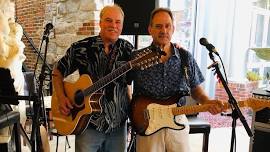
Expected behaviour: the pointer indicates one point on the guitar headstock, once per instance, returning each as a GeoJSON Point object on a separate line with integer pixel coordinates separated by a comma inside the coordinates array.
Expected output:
{"type": "Point", "coordinates": [258, 104]}
{"type": "Point", "coordinates": [147, 57]}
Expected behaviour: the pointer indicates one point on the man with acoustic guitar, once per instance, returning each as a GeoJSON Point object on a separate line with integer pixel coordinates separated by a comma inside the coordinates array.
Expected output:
{"type": "Point", "coordinates": [95, 57]}
{"type": "Point", "coordinates": [177, 75]}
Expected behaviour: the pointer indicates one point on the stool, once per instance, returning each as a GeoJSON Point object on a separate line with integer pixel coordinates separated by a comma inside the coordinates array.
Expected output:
{"type": "Point", "coordinates": [57, 141]}
{"type": "Point", "coordinates": [52, 131]}
{"type": "Point", "coordinates": [198, 125]}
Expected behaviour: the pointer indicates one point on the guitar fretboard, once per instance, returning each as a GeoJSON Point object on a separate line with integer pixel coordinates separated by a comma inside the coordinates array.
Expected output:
{"type": "Point", "coordinates": [108, 78]}
{"type": "Point", "coordinates": [253, 103]}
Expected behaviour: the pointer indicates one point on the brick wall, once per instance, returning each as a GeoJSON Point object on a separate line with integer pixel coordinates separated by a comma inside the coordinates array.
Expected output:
{"type": "Point", "coordinates": [240, 90]}
{"type": "Point", "coordinates": [30, 14]}
{"type": "Point", "coordinates": [88, 28]}
{"type": "Point", "coordinates": [72, 20]}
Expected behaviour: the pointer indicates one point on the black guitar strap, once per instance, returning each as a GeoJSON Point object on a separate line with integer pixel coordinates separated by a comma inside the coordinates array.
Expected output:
{"type": "Point", "coordinates": [184, 65]}
{"type": "Point", "coordinates": [185, 69]}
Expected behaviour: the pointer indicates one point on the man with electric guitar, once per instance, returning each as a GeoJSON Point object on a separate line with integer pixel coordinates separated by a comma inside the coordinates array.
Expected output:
{"type": "Point", "coordinates": [164, 84]}
{"type": "Point", "coordinates": [96, 113]}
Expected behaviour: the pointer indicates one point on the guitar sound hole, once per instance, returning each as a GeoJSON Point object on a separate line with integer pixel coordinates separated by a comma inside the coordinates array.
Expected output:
{"type": "Point", "coordinates": [79, 98]}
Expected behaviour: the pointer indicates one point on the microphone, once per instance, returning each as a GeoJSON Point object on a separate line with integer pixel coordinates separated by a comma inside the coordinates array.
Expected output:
{"type": "Point", "coordinates": [47, 28]}
{"type": "Point", "coordinates": [209, 46]}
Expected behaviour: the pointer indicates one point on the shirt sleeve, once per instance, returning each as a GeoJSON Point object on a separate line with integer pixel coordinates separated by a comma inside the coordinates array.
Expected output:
{"type": "Point", "coordinates": [66, 64]}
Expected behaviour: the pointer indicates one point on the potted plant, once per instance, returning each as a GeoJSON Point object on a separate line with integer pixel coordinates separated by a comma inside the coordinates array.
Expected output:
{"type": "Point", "coordinates": [253, 78]}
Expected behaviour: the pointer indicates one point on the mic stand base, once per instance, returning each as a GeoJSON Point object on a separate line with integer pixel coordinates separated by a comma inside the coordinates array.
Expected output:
{"type": "Point", "coordinates": [233, 136]}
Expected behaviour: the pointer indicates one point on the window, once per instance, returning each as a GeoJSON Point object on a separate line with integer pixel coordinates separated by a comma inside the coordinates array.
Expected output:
{"type": "Point", "coordinates": [260, 38]}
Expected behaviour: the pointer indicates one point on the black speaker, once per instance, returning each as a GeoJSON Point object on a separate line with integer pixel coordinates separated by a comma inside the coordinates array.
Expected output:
{"type": "Point", "coordinates": [261, 140]}
{"type": "Point", "coordinates": [137, 14]}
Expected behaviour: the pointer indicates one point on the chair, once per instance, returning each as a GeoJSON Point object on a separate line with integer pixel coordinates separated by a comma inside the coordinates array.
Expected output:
{"type": "Point", "coordinates": [198, 125]}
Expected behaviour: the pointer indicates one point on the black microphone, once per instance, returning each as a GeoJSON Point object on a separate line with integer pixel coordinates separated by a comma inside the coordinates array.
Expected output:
{"type": "Point", "coordinates": [209, 46]}
{"type": "Point", "coordinates": [47, 28]}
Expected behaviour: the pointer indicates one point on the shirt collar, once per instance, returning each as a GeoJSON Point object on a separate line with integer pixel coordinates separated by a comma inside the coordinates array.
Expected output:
{"type": "Point", "coordinates": [174, 50]}
{"type": "Point", "coordinates": [99, 43]}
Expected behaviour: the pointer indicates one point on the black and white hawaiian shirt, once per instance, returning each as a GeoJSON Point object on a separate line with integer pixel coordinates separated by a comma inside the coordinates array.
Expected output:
{"type": "Point", "coordinates": [88, 57]}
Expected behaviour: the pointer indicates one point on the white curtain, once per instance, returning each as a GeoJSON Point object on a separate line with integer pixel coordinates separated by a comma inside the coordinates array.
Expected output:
{"type": "Point", "coordinates": [226, 25]}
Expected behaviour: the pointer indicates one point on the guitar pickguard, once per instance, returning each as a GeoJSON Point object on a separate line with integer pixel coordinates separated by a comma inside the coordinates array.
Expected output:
{"type": "Point", "coordinates": [161, 116]}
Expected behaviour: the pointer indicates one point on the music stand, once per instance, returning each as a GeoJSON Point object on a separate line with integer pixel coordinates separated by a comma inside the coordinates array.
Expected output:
{"type": "Point", "coordinates": [8, 96]}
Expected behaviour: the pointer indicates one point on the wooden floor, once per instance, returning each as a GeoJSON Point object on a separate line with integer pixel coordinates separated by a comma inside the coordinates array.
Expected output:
{"type": "Point", "coordinates": [220, 141]}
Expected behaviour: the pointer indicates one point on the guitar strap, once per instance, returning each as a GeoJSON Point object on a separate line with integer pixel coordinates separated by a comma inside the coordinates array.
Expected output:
{"type": "Point", "coordinates": [184, 65]}
{"type": "Point", "coordinates": [185, 69]}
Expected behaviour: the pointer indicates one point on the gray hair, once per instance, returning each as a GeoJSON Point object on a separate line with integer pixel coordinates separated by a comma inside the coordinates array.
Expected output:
{"type": "Point", "coordinates": [109, 7]}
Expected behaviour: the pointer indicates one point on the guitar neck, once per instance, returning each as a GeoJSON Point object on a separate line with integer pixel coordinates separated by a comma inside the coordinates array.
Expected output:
{"type": "Point", "coordinates": [201, 108]}
{"type": "Point", "coordinates": [108, 78]}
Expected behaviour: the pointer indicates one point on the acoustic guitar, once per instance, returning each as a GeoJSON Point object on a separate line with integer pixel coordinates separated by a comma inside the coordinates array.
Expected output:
{"type": "Point", "coordinates": [84, 98]}
{"type": "Point", "coordinates": [150, 115]}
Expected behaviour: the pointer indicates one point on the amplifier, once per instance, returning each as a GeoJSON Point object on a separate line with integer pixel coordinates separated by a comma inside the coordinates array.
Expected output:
{"type": "Point", "coordinates": [261, 138]}
{"type": "Point", "coordinates": [263, 116]}
{"type": "Point", "coordinates": [260, 125]}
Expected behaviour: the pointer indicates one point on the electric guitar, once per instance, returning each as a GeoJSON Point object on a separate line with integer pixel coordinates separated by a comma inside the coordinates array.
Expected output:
{"type": "Point", "coordinates": [84, 98]}
{"type": "Point", "coordinates": [150, 115]}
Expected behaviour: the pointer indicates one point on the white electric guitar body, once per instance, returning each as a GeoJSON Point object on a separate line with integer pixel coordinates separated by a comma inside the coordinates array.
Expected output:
{"type": "Point", "coordinates": [161, 116]}
{"type": "Point", "coordinates": [149, 115]}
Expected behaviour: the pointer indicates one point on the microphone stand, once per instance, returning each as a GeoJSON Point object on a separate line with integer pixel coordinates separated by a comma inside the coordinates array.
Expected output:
{"type": "Point", "coordinates": [35, 135]}
{"type": "Point", "coordinates": [236, 112]}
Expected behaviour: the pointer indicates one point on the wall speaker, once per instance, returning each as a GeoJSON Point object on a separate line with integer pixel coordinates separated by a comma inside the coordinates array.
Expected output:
{"type": "Point", "coordinates": [137, 14]}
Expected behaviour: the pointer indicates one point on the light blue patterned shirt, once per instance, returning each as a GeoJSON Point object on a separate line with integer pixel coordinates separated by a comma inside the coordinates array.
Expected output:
{"type": "Point", "coordinates": [166, 79]}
